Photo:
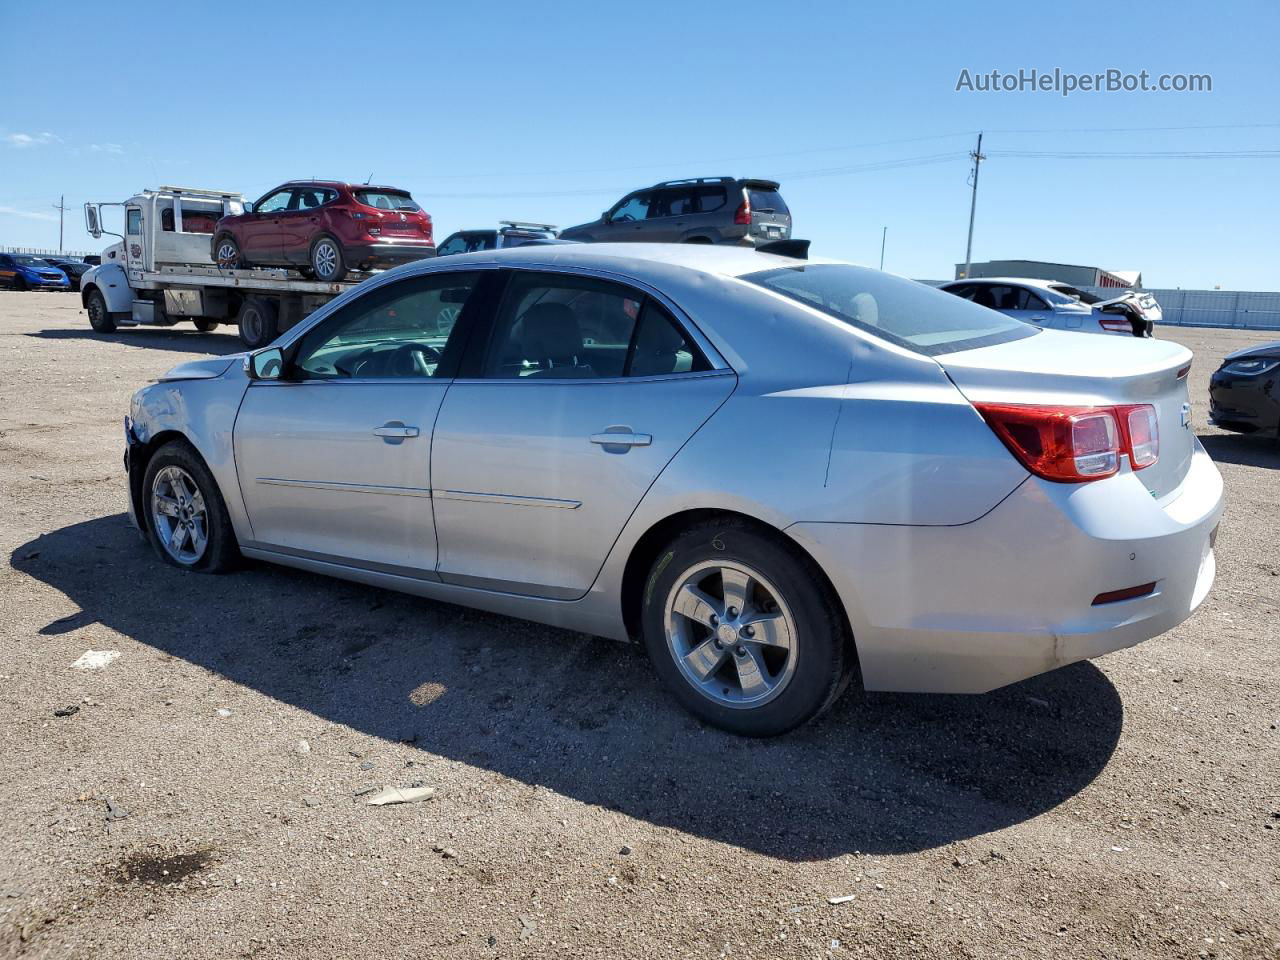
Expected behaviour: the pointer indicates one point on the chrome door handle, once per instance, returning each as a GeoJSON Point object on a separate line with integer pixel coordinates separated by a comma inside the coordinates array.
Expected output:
{"type": "Point", "coordinates": [394, 432]}
{"type": "Point", "coordinates": [622, 439]}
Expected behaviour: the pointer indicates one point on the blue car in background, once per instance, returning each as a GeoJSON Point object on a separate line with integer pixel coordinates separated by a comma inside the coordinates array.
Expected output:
{"type": "Point", "coordinates": [21, 271]}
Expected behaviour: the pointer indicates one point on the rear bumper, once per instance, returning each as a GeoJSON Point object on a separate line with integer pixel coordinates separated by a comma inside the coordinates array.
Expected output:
{"type": "Point", "coordinates": [969, 608]}
{"type": "Point", "coordinates": [388, 253]}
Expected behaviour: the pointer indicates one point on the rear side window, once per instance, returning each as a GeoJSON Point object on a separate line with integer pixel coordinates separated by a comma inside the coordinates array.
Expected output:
{"type": "Point", "coordinates": [711, 199]}
{"type": "Point", "coordinates": [561, 327]}
{"type": "Point", "coordinates": [672, 203]}
{"type": "Point", "coordinates": [766, 201]}
{"type": "Point", "coordinates": [388, 200]}
{"type": "Point", "coordinates": [903, 312]}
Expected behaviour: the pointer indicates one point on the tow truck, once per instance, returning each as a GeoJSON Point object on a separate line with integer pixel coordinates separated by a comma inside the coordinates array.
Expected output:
{"type": "Point", "coordinates": [161, 271]}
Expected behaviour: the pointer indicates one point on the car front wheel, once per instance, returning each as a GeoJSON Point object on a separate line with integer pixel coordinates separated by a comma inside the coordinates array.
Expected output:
{"type": "Point", "coordinates": [186, 518]}
{"type": "Point", "coordinates": [743, 630]}
{"type": "Point", "coordinates": [227, 254]}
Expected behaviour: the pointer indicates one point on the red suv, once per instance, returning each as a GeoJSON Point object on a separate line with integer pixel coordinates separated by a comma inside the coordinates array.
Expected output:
{"type": "Point", "coordinates": [325, 228]}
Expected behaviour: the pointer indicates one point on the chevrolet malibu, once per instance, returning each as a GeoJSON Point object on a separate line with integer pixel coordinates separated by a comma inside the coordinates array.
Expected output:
{"type": "Point", "coordinates": [776, 474]}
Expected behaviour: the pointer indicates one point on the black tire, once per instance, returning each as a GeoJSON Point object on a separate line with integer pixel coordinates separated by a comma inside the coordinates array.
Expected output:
{"type": "Point", "coordinates": [220, 552]}
{"type": "Point", "coordinates": [20, 283]}
{"type": "Point", "coordinates": [205, 324]}
{"type": "Point", "coordinates": [822, 647]}
{"type": "Point", "coordinates": [226, 253]}
{"type": "Point", "coordinates": [257, 321]}
{"type": "Point", "coordinates": [327, 261]}
{"type": "Point", "coordinates": [99, 316]}
{"type": "Point", "coordinates": [703, 240]}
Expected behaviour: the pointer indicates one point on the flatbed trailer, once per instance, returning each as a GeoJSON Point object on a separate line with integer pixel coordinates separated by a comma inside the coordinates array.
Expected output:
{"type": "Point", "coordinates": [161, 272]}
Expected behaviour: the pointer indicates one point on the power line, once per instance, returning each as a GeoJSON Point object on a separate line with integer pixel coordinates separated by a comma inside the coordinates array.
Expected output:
{"type": "Point", "coordinates": [1138, 154]}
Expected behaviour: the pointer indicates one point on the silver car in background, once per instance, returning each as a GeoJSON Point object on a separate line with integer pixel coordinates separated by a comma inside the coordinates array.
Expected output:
{"type": "Point", "coordinates": [776, 474]}
{"type": "Point", "coordinates": [1060, 306]}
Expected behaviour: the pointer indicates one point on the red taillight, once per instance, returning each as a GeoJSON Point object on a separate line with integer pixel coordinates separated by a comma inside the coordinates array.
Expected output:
{"type": "Point", "coordinates": [743, 216]}
{"type": "Point", "coordinates": [427, 227]}
{"type": "Point", "coordinates": [1141, 434]}
{"type": "Point", "coordinates": [1075, 444]}
{"type": "Point", "coordinates": [1115, 323]}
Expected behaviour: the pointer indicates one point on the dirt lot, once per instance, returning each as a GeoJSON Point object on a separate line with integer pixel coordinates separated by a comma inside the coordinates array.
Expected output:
{"type": "Point", "coordinates": [201, 801]}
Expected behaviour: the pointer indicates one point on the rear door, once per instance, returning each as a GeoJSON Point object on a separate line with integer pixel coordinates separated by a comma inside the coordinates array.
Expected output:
{"type": "Point", "coordinates": [671, 215]}
{"type": "Point", "coordinates": [584, 391]}
{"type": "Point", "coordinates": [770, 218]}
{"type": "Point", "coordinates": [299, 222]}
{"type": "Point", "coordinates": [334, 462]}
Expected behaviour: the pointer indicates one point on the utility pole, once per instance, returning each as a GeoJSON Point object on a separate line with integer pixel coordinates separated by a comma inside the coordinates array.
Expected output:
{"type": "Point", "coordinates": [973, 206]}
{"type": "Point", "coordinates": [883, 235]}
{"type": "Point", "coordinates": [61, 207]}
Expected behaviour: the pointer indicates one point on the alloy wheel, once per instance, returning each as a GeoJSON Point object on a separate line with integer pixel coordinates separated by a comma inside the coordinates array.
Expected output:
{"type": "Point", "coordinates": [179, 514]}
{"type": "Point", "coordinates": [731, 634]}
{"type": "Point", "coordinates": [324, 259]}
{"type": "Point", "coordinates": [228, 254]}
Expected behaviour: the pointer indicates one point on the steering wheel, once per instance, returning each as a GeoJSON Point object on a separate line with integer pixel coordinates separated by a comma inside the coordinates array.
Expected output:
{"type": "Point", "coordinates": [624, 218]}
{"type": "Point", "coordinates": [411, 359]}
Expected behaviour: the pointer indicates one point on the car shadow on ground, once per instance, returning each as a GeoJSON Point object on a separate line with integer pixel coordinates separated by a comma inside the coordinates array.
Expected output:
{"type": "Point", "coordinates": [586, 718]}
{"type": "Point", "coordinates": [184, 339]}
{"type": "Point", "coordinates": [1243, 449]}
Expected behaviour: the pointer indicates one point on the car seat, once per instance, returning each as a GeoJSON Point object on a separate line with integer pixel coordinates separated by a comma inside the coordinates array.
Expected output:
{"type": "Point", "coordinates": [553, 337]}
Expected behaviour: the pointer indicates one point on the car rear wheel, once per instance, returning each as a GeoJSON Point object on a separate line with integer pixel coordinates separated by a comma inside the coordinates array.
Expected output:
{"type": "Point", "coordinates": [743, 630]}
{"type": "Point", "coordinates": [257, 322]}
{"type": "Point", "coordinates": [227, 254]}
{"type": "Point", "coordinates": [99, 315]}
{"type": "Point", "coordinates": [186, 518]}
{"type": "Point", "coordinates": [327, 261]}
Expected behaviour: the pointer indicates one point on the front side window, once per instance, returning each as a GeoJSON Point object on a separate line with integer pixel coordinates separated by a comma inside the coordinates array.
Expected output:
{"type": "Point", "coordinates": [560, 327]}
{"type": "Point", "coordinates": [902, 312]}
{"type": "Point", "coordinates": [133, 222]}
{"type": "Point", "coordinates": [455, 244]}
{"type": "Point", "coordinates": [632, 208]}
{"type": "Point", "coordinates": [274, 203]}
{"type": "Point", "coordinates": [400, 331]}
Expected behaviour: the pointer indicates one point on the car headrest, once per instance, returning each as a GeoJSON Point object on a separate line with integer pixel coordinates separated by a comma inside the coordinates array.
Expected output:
{"type": "Point", "coordinates": [551, 332]}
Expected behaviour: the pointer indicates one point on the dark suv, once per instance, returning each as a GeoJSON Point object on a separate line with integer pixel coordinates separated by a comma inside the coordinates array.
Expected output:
{"type": "Point", "coordinates": [325, 228]}
{"type": "Point", "coordinates": [705, 210]}
{"type": "Point", "coordinates": [510, 233]}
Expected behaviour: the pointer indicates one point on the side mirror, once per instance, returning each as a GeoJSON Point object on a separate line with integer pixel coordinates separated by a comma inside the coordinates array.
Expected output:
{"type": "Point", "coordinates": [92, 221]}
{"type": "Point", "coordinates": [604, 217]}
{"type": "Point", "coordinates": [248, 207]}
{"type": "Point", "coordinates": [265, 364]}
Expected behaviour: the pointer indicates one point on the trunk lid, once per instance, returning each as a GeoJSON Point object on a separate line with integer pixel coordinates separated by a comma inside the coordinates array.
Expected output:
{"type": "Point", "coordinates": [1068, 369]}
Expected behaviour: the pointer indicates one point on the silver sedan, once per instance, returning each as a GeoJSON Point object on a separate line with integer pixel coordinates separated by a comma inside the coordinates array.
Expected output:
{"type": "Point", "coordinates": [776, 474]}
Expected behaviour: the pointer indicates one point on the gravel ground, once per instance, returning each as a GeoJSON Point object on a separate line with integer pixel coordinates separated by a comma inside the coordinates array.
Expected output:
{"type": "Point", "coordinates": [202, 801]}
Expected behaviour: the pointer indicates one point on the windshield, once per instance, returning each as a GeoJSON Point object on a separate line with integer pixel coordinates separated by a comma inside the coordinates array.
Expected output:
{"type": "Point", "coordinates": [387, 200]}
{"type": "Point", "coordinates": [31, 261]}
{"type": "Point", "coordinates": [906, 313]}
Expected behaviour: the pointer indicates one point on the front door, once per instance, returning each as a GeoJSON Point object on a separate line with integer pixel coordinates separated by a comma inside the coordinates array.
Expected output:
{"type": "Point", "coordinates": [626, 220]}
{"type": "Point", "coordinates": [298, 224]}
{"type": "Point", "coordinates": [586, 390]}
{"type": "Point", "coordinates": [259, 231]}
{"type": "Point", "coordinates": [334, 459]}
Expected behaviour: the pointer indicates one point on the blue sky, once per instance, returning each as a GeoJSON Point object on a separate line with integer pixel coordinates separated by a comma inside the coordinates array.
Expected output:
{"type": "Point", "coordinates": [550, 111]}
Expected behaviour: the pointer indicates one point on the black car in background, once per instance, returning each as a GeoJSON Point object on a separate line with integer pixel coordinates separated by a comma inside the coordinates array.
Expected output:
{"type": "Point", "coordinates": [1244, 393]}
{"type": "Point", "coordinates": [74, 269]}
{"type": "Point", "coordinates": [703, 210]}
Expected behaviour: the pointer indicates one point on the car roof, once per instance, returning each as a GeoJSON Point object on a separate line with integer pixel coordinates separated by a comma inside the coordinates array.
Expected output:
{"type": "Point", "coordinates": [638, 258]}
{"type": "Point", "coordinates": [339, 183]}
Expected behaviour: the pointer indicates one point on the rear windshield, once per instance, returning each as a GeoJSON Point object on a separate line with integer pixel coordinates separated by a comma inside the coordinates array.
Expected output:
{"type": "Point", "coordinates": [766, 201]}
{"type": "Point", "coordinates": [387, 200]}
{"type": "Point", "coordinates": [909, 314]}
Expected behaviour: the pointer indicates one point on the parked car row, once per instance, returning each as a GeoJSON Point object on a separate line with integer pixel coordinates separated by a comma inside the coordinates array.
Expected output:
{"type": "Point", "coordinates": [1060, 306]}
{"type": "Point", "coordinates": [24, 271]}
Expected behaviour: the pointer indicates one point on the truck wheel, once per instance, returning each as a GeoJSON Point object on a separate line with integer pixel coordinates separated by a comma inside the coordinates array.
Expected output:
{"type": "Point", "coordinates": [327, 261]}
{"type": "Point", "coordinates": [205, 325]}
{"type": "Point", "coordinates": [99, 315]}
{"type": "Point", "coordinates": [226, 253]}
{"type": "Point", "coordinates": [257, 322]}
